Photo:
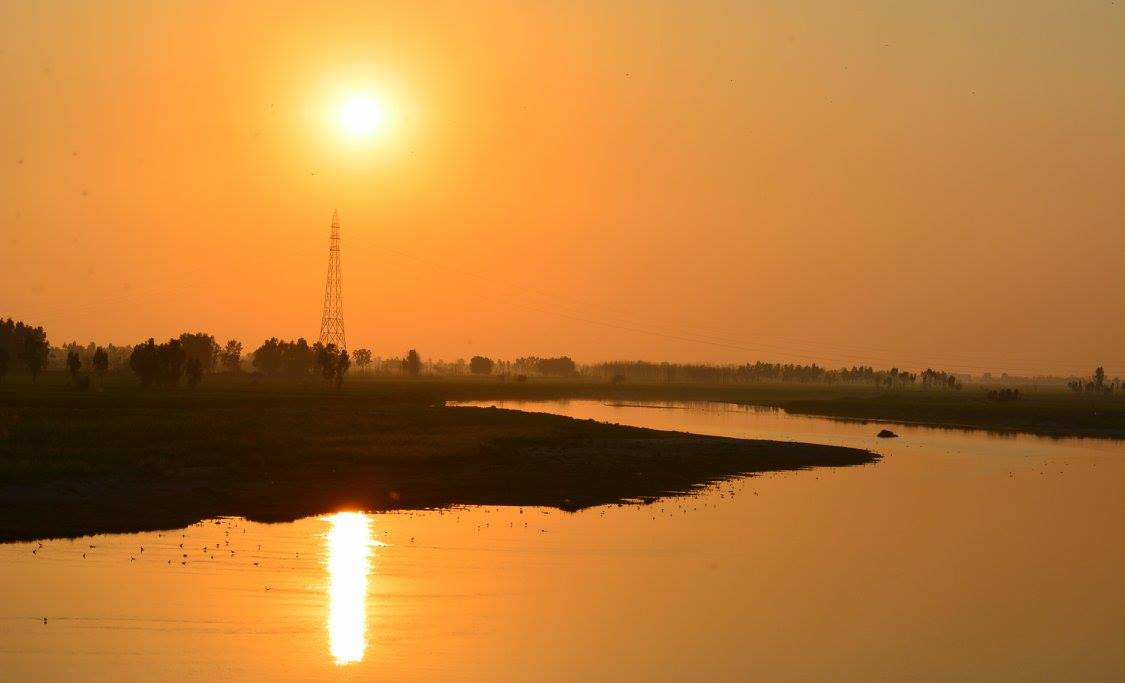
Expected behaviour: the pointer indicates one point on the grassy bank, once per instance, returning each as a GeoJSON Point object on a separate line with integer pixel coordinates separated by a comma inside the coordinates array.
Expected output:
{"type": "Point", "coordinates": [124, 459]}
{"type": "Point", "coordinates": [1047, 414]}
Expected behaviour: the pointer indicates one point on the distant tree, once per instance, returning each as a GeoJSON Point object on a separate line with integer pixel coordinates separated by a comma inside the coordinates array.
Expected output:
{"type": "Point", "coordinates": [100, 364]}
{"type": "Point", "coordinates": [25, 347]}
{"type": "Point", "coordinates": [293, 359]}
{"type": "Point", "coordinates": [159, 364]}
{"type": "Point", "coordinates": [326, 360]}
{"type": "Point", "coordinates": [362, 358]}
{"type": "Point", "coordinates": [231, 356]}
{"type": "Point", "coordinates": [267, 357]}
{"type": "Point", "coordinates": [202, 347]}
{"type": "Point", "coordinates": [73, 365]}
{"type": "Point", "coordinates": [143, 362]}
{"type": "Point", "coordinates": [1099, 379]}
{"type": "Point", "coordinates": [333, 363]}
{"type": "Point", "coordinates": [479, 365]}
{"type": "Point", "coordinates": [343, 362]}
{"type": "Point", "coordinates": [557, 367]}
{"type": "Point", "coordinates": [3, 362]}
{"type": "Point", "coordinates": [413, 363]}
{"type": "Point", "coordinates": [35, 350]}
{"type": "Point", "coordinates": [193, 370]}
{"type": "Point", "coordinates": [171, 357]}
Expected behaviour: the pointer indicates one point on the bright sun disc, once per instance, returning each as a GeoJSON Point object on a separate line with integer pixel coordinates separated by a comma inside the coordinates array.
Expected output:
{"type": "Point", "coordinates": [362, 116]}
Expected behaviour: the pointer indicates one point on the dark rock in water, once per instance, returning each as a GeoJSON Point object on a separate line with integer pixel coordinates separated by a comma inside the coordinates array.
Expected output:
{"type": "Point", "coordinates": [886, 434]}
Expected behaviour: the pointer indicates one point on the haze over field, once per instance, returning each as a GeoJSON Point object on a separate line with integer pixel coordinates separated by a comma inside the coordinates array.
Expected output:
{"type": "Point", "coordinates": [913, 184]}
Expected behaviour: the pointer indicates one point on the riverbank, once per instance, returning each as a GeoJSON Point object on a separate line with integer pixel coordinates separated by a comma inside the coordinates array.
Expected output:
{"type": "Point", "coordinates": [1055, 415]}
{"type": "Point", "coordinates": [129, 460]}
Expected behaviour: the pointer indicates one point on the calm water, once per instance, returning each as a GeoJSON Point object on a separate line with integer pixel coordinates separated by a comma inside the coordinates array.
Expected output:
{"type": "Point", "coordinates": [959, 556]}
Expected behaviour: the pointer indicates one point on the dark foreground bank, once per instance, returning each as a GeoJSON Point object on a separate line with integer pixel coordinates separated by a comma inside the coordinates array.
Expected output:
{"type": "Point", "coordinates": [74, 464]}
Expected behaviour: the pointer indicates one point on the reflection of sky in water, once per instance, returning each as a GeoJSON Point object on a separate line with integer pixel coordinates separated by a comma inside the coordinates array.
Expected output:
{"type": "Point", "coordinates": [1004, 547]}
{"type": "Point", "coordinates": [349, 561]}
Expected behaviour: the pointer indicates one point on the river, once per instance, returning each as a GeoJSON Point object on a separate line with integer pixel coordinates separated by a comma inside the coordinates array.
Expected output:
{"type": "Point", "coordinates": [960, 555]}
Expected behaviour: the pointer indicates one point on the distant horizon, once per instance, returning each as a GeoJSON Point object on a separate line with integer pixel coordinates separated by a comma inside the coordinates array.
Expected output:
{"type": "Point", "coordinates": [898, 184]}
{"type": "Point", "coordinates": [248, 349]}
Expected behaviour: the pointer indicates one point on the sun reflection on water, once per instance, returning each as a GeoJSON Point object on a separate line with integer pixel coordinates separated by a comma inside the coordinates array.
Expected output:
{"type": "Point", "coordinates": [349, 562]}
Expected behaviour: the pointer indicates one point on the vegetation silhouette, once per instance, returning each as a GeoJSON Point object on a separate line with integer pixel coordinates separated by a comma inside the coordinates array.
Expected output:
{"type": "Point", "coordinates": [27, 343]}
{"type": "Point", "coordinates": [193, 371]}
{"type": "Point", "coordinates": [100, 363]}
{"type": "Point", "coordinates": [479, 365]}
{"type": "Point", "coordinates": [73, 365]}
{"type": "Point", "coordinates": [333, 363]}
{"type": "Point", "coordinates": [412, 364]}
{"type": "Point", "coordinates": [231, 356]}
{"type": "Point", "coordinates": [362, 358]}
{"type": "Point", "coordinates": [1095, 385]}
{"type": "Point", "coordinates": [203, 348]}
{"type": "Point", "coordinates": [160, 365]}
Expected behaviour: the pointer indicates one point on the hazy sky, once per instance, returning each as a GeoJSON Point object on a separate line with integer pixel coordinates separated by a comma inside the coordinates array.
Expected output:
{"type": "Point", "coordinates": [896, 183]}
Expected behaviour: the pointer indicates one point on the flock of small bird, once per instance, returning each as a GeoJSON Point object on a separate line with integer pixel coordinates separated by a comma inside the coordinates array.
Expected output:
{"type": "Point", "coordinates": [191, 548]}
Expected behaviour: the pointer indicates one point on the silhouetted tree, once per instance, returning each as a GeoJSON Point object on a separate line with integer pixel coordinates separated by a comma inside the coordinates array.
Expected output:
{"type": "Point", "coordinates": [479, 365]}
{"type": "Point", "coordinates": [143, 363]}
{"type": "Point", "coordinates": [343, 362]}
{"type": "Point", "coordinates": [159, 364]}
{"type": "Point", "coordinates": [326, 360]}
{"type": "Point", "coordinates": [294, 359]}
{"type": "Point", "coordinates": [412, 365]}
{"type": "Point", "coordinates": [557, 367]}
{"type": "Point", "coordinates": [25, 347]}
{"type": "Point", "coordinates": [333, 363]}
{"type": "Point", "coordinates": [231, 356]}
{"type": "Point", "coordinates": [3, 362]}
{"type": "Point", "coordinates": [202, 347]}
{"type": "Point", "coordinates": [171, 358]}
{"type": "Point", "coordinates": [35, 349]}
{"type": "Point", "coordinates": [267, 357]}
{"type": "Point", "coordinates": [193, 370]}
{"type": "Point", "coordinates": [100, 362]}
{"type": "Point", "coordinates": [362, 358]}
{"type": "Point", "coordinates": [73, 365]}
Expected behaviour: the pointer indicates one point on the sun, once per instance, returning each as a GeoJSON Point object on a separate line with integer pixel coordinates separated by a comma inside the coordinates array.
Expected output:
{"type": "Point", "coordinates": [362, 116]}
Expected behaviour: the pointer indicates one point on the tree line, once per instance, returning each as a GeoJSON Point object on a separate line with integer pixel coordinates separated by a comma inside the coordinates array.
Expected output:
{"type": "Point", "coordinates": [758, 371]}
{"type": "Point", "coordinates": [1095, 384]}
{"type": "Point", "coordinates": [23, 348]}
{"type": "Point", "coordinates": [188, 358]}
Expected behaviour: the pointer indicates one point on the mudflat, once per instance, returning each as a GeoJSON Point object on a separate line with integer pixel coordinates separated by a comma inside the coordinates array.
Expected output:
{"type": "Point", "coordinates": [125, 459]}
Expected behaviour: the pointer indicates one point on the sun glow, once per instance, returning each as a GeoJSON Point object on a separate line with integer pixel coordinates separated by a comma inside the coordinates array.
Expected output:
{"type": "Point", "coordinates": [362, 116]}
{"type": "Point", "coordinates": [349, 562]}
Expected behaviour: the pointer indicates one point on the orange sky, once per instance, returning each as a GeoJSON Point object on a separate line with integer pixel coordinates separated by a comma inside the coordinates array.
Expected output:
{"type": "Point", "coordinates": [911, 184]}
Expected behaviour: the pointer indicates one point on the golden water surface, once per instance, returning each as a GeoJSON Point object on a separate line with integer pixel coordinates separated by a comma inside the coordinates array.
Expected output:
{"type": "Point", "coordinates": [961, 555]}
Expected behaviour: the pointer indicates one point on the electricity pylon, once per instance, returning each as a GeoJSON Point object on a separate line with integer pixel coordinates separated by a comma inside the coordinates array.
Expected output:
{"type": "Point", "coordinates": [332, 320]}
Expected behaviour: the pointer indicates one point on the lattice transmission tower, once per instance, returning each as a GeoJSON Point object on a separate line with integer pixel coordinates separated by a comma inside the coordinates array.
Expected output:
{"type": "Point", "coordinates": [332, 320]}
